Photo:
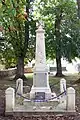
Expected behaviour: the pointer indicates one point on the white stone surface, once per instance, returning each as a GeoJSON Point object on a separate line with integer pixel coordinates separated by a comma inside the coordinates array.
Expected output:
{"type": "Point", "coordinates": [62, 85]}
{"type": "Point", "coordinates": [70, 99]}
{"type": "Point", "coordinates": [54, 96]}
{"type": "Point", "coordinates": [62, 106]}
{"type": "Point", "coordinates": [62, 99]}
{"type": "Point", "coordinates": [40, 77]}
{"type": "Point", "coordinates": [10, 99]}
{"type": "Point", "coordinates": [62, 89]}
{"type": "Point", "coordinates": [40, 63]}
{"type": "Point", "coordinates": [27, 103]}
{"type": "Point", "coordinates": [47, 91]}
{"type": "Point", "coordinates": [19, 86]}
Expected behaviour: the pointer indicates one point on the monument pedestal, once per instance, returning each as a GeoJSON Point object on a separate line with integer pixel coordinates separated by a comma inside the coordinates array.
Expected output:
{"type": "Point", "coordinates": [42, 92]}
{"type": "Point", "coordinates": [40, 86]}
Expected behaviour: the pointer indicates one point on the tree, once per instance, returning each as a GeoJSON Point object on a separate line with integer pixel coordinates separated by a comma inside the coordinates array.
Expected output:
{"type": "Point", "coordinates": [60, 19]}
{"type": "Point", "coordinates": [15, 21]}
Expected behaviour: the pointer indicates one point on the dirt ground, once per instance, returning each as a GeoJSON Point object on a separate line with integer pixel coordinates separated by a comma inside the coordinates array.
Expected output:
{"type": "Point", "coordinates": [5, 84]}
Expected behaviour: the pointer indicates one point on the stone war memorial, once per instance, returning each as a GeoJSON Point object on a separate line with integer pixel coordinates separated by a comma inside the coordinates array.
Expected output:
{"type": "Point", "coordinates": [40, 98]}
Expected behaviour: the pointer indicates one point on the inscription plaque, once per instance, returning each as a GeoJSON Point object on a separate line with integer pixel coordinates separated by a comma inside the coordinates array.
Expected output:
{"type": "Point", "coordinates": [40, 80]}
{"type": "Point", "coordinates": [39, 95]}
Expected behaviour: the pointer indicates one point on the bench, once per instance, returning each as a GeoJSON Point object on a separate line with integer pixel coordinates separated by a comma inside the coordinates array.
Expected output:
{"type": "Point", "coordinates": [53, 69]}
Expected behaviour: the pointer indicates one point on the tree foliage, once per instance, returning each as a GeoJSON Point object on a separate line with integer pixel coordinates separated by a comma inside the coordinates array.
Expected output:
{"type": "Point", "coordinates": [16, 20]}
{"type": "Point", "coordinates": [50, 10]}
{"type": "Point", "coordinates": [62, 28]}
{"type": "Point", "coordinates": [13, 20]}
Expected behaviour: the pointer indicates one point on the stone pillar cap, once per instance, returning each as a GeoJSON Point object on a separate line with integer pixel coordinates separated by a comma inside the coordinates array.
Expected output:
{"type": "Point", "coordinates": [40, 28]}
{"type": "Point", "coordinates": [19, 79]}
{"type": "Point", "coordinates": [70, 90]}
{"type": "Point", "coordinates": [63, 79]}
{"type": "Point", "coordinates": [10, 88]}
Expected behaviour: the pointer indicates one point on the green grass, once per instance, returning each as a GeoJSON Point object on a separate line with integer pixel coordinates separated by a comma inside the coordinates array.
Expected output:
{"type": "Point", "coordinates": [55, 81]}
{"type": "Point", "coordinates": [52, 79]}
{"type": "Point", "coordinates": [29, 75]}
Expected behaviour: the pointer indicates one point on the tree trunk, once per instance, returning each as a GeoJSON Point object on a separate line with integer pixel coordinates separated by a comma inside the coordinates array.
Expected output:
{"type": "Point", "coordinates": [20, 66]}
{"type": "Point", "coordinates": [58, 45]}
{"type": "Point", "coordinates": [78, 3]}
{"type": "Point", "coordinates": [20, 69]}
{"type": "Point", "coordinates": [58, 64]}
{"type": "Point", "coordinates": [26, 28]}
{"type": "Point", "coordinates": [58, 57]}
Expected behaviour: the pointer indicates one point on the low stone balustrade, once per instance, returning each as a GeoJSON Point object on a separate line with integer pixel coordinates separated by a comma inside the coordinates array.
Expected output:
{"type": "Point", "coordinates": [22, 102]}
{"type": "Point", "coordinates": [8, 72]}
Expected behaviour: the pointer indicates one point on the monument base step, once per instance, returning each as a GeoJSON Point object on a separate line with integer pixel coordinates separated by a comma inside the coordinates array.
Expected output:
{"type": "Point", "coordinates": [40, 113]}
{"type": "Point", "coordinates": [27, 106]}
{"type": "Point", "coordinates": [21, 110]}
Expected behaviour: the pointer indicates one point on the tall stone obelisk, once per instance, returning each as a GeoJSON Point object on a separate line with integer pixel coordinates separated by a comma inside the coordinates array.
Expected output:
{"type": "Point", "coordinates": [40, 86]}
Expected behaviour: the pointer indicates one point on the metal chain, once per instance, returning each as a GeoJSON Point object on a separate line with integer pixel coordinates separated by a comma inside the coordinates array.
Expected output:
{"type": "Point", "coordinates": [45, 100]}
{"type": "Point", "coordinates": [16, 89]}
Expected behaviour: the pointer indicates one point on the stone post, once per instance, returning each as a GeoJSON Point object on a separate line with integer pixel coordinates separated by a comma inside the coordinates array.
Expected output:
{"type": "Point", "coordinates": [62, 85]}
{"type": "Point", "coordinates": [62, 89]}
{"type": "Point", "coordinates": [70, 99]}
{"type": "Point", "coordinates": [19, 86]}
{"type": "Point", "coordinates": [10, 99]}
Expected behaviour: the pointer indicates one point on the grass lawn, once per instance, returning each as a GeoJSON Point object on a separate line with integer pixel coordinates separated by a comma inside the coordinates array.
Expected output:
{"type": "Point", "coordinates": [55, 82]}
